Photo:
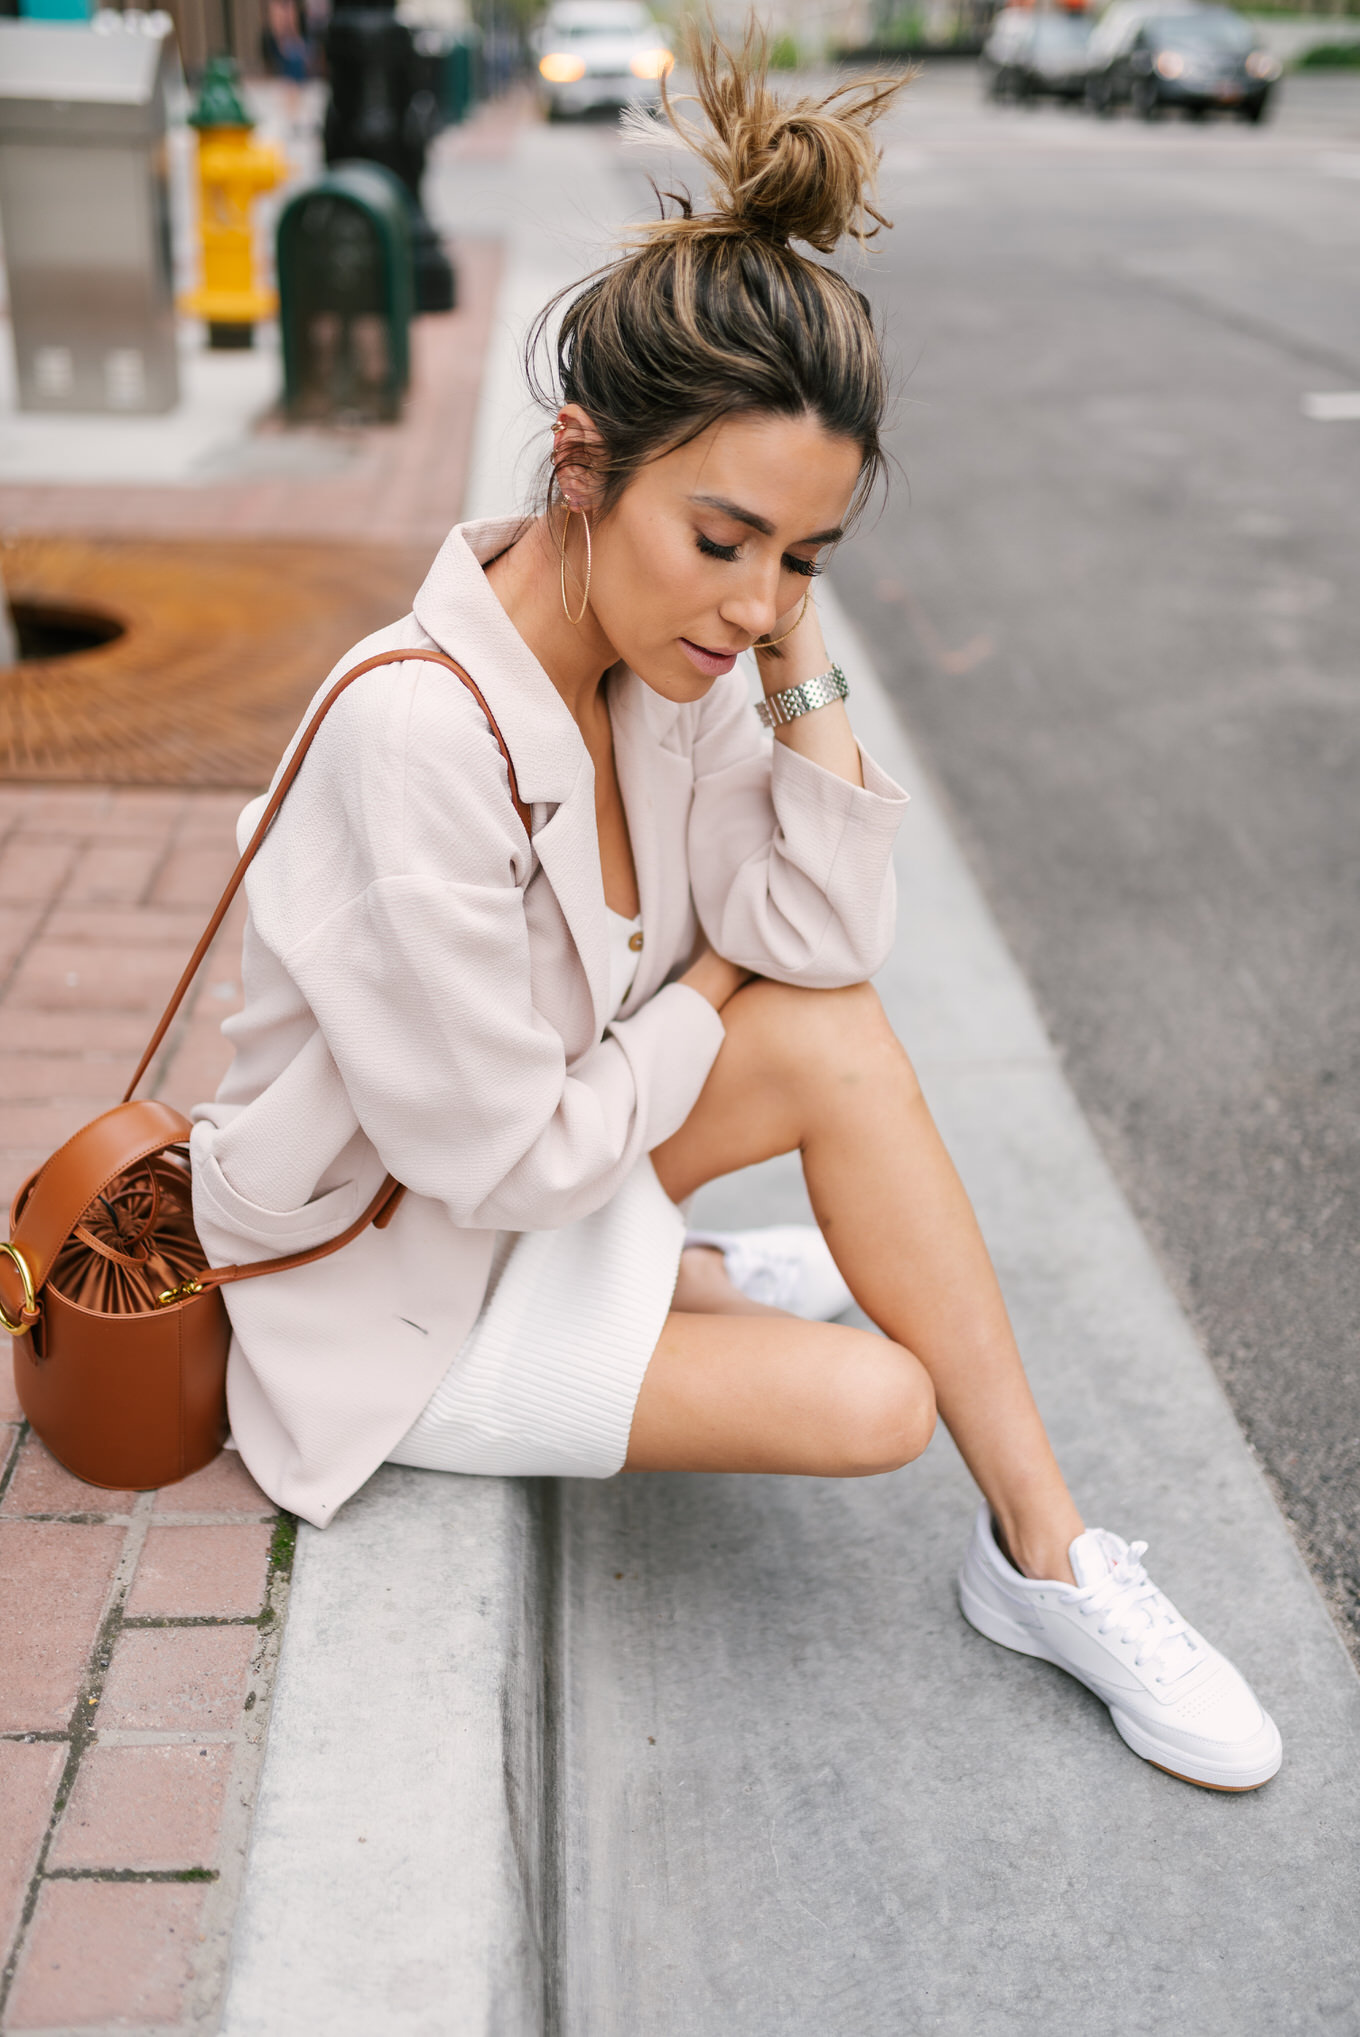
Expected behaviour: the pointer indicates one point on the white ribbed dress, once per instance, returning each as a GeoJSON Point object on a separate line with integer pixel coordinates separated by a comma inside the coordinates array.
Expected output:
{"type": "Point", "coordinates": [547, 1379]}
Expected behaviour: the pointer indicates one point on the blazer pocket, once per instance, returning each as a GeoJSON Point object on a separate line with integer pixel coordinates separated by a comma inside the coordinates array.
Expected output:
{"type": "Point", "coordinates": [287, 1230]}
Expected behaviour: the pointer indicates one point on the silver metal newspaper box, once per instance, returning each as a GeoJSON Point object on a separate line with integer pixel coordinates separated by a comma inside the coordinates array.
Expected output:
{"type": "Point", "coordinates": [85, 212]}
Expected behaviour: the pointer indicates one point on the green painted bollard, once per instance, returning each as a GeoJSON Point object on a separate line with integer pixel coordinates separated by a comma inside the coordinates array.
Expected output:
{"type": "Point", "coordinates": [346, 296]}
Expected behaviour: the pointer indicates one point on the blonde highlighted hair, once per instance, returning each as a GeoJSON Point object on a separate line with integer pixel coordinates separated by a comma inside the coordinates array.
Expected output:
{"type": "Point", "coordinates": [709, 313]}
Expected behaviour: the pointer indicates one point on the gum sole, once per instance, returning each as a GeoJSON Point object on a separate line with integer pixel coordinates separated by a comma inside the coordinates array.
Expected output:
{"type": "Point", "coordinates": [1232, 1789]}
{"type": "Point", "coordinates": [1223, 1789]}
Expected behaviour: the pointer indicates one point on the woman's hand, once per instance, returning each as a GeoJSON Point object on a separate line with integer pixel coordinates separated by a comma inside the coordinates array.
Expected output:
{"type": "Point", "coordinates": [714, 978]}
{"type": "Point", "coordinates": [824, 736]}
{"type": "Point", "coordinates": [799, 651]}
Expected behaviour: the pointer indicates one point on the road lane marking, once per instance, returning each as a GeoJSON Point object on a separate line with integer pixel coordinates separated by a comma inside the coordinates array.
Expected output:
{"type": "Point", "coordinates": [1333, 406]}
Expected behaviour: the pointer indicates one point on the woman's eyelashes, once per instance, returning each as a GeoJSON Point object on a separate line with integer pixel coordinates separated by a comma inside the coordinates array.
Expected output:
{"type": "Point", "coordinates": [808, 568]}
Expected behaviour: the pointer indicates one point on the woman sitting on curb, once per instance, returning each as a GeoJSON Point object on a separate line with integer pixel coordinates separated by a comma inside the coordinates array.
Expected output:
{"type": "Point", "coordinates": [554, 1034]}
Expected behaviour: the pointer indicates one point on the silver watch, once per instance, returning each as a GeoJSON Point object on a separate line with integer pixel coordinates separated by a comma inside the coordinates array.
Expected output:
{"type": "Point", "coordinates": [777, 708]}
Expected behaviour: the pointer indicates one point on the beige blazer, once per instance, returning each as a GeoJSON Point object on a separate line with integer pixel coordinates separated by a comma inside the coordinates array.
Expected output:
{"type": "Point", "coordinates": [426, 994]}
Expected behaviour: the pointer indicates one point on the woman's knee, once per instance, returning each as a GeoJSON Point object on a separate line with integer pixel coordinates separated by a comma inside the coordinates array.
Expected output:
{"type": "Point", "coordinates": [821, 1034]}
{"type": "Point", "coordinates": [885, 1412]}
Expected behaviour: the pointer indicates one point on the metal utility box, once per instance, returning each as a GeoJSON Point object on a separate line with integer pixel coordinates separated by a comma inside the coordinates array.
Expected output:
{"type": "Point", "coordinates": [85, 208]}
{"type": "Point", "coordinates": [345, 295]}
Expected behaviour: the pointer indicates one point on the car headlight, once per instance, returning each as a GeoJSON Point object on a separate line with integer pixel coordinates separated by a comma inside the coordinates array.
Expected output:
{"type": "Point", "coordinates": [652, 64]}
{"type": "Point", "coordinates": [560, 69]}
{"type": "Point", "coordinates": [1170, 64]}
{"type": "Point", "coordinates": [1261, 64]}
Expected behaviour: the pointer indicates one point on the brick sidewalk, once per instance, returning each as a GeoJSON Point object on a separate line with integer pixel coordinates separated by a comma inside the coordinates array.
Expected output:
{"type": "Point", "coordinates": [103, 893]}
{"type": "Point", "coordinates": [133, 1716]}
{"type": "Point", "coordinates": [139, 1632]}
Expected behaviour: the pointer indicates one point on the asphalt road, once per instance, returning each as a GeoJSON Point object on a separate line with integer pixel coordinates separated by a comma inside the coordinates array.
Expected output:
{"type": "Point", "coordinates": [1116, 592]}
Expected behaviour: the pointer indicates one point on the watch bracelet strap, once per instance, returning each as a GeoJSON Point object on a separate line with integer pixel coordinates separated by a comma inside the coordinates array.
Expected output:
{"type": "Point", "coordinates": [778, 708]}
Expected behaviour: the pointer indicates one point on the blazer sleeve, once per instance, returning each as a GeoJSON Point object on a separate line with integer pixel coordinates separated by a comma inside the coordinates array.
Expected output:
{"type": "Point", "coordinates": [420, 984]}
{"type": "Point", "coordinates": [790, 866]}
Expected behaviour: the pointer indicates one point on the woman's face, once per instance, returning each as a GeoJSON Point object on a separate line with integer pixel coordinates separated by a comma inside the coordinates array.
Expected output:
{"type": "Point", "coordinates": [714, 544]}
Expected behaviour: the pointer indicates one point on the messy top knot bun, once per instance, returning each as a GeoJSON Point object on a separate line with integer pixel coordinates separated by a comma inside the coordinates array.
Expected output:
{"type": "Point", "coordinates": [713, 312]}
{"type": "Point", "coordinates": [802, 171]}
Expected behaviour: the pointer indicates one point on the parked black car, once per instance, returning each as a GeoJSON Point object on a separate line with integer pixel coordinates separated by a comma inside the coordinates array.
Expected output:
{"type": "Point", "coordinates": [1197, 58]}
{"type": "Point", "coordinates": [1030, 55]}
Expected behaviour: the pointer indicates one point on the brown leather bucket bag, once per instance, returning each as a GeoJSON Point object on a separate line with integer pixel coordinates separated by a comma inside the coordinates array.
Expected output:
{"type": "Point", "coordinates": [119, 1326]}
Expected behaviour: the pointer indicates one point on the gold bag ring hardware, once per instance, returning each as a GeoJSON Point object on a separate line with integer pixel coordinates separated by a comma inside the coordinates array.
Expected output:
{"type": "Point", "coordinates": [123, 1376]}
{"type": "Point", "coordinates": [20, 1328]}
{"type": "Point", "coordinates": [180, 1293]}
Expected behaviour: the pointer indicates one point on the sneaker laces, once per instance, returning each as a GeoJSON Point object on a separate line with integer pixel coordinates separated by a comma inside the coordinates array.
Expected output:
{"type": "Point", "coordinates": [1131, 1605]}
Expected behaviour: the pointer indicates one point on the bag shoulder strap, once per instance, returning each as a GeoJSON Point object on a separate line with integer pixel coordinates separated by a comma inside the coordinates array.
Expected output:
{"type": "Point", "coordinates": [266, 821]}
{"type": "Point", "coordinates": [48, 1208]}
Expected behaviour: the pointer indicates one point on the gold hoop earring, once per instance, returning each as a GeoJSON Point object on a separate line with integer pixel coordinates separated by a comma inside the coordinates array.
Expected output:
{"type": "Point", "coordinates": [768, 643]}
{"type": "Point", "coordinates": [572, 510]}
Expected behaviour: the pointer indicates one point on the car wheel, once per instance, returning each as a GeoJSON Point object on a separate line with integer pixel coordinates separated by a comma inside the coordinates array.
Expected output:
{"type": "Point", "coordinates": [1254, 111]}
{"type": "Point", "coordinates": [1147, 100]}
{"type": "Point", "coordinates": [1099, 98]}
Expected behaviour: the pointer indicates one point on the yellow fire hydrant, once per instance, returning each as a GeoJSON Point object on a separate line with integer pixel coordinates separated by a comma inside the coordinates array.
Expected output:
{"type": "Point", "coordinates": [233, 170]}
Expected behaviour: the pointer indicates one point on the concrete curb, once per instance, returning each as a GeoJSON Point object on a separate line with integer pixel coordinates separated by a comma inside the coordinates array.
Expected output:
{"type": "Point", "coordinates": [395, 1873]}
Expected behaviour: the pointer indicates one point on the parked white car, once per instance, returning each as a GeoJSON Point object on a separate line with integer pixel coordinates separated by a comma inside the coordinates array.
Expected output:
{"type": "Point", "coordinates": [594, 53]}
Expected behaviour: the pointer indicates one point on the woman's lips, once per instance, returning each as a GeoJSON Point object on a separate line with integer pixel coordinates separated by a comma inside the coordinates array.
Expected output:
{"type": "Point", "coordinates": [711, 663]}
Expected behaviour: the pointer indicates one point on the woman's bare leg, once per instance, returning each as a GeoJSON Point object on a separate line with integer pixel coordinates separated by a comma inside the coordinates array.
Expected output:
{"type": "Point", "coordinates": [773, 1393]}
{"type": "Point", "coordinates": [724, 1393]}
{"type": "Point", "coordinates": [822, 1072]}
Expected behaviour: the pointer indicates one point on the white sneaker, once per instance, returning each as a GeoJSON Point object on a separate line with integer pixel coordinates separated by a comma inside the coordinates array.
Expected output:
{"type": "Point", "coordinates": [1173, 1698]}
{"type": "Point", "coordinates": [787, 1266]}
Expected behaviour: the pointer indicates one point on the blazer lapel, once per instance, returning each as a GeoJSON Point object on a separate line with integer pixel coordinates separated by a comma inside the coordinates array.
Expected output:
{"type": "Point", "coordinates": [656, 785]}
{"type": "Point", "coordinates": [567, 845]}
{"type": "Point", "coordinates": [458, 609]}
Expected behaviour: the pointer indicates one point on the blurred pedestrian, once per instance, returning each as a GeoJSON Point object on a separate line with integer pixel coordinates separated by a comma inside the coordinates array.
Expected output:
{"type": "Point", "coordinates": [286, 53]}
{"type": "Point", "coordinates": [316, 16]}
